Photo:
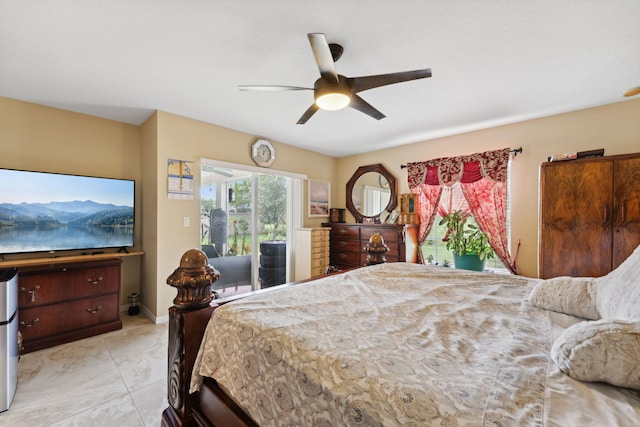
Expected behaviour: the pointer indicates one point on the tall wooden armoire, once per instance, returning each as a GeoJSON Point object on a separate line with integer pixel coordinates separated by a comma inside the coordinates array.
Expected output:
{"type": "Point", "coordinates": [589, 215]}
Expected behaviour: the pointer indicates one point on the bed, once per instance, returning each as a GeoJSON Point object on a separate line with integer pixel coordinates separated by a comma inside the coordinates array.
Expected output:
{"type": "Point", "coordinates": [406, 344]}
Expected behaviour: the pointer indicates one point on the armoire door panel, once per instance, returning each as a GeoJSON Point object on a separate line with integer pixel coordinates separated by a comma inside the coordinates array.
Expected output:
{"type": "Point", "coordinates": [575, 214]}
{"type": "Point", "coordinates": [626, 219]}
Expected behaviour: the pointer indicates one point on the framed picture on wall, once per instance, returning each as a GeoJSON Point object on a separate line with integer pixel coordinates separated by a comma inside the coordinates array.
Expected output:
{"type": "Point", "coordinates": [319, 194]}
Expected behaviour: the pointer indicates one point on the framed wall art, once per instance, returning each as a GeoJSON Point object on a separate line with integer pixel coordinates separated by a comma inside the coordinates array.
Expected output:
{"type": "Point", "coordinates": [319, 195]}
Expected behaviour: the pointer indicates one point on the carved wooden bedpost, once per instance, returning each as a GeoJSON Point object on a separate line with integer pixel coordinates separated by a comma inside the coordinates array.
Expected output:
{"type": "Point", "coordinates": [187, 321]}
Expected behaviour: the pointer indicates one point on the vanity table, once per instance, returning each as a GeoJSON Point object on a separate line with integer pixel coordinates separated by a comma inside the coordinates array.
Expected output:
{"type": "Point", "coordinates": [371, 192]}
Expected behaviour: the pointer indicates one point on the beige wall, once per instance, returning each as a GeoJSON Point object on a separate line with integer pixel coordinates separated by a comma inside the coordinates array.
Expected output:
{"type": "Point", "coordinates": [615, 127]}
{"type": "Point", "coordinates": [48, 139]}
{"type": "Point", "coordinates": [35, 137]}
{"type": "Point", "coordinates": [186, 139]}
{"type": "Point", "coordinates": [149, 280]}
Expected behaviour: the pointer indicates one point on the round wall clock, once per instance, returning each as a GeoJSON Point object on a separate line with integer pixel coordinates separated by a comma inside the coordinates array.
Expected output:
{"type": "Point", "coordinates": [263, 153]}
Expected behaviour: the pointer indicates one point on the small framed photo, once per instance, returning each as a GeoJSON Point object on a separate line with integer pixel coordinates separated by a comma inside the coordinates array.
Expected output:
{"type": "Point", "coordinates": [319, 194]}
{"type": "Point", "coordinates": [392, 218]}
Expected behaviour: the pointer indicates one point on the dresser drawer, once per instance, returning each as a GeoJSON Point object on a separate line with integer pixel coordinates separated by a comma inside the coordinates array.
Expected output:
{"type": "Point", "coordinates": [320, 238]}
{"type": "Point", "coordinates": [346, 258]}
{"type": "Point", "coordinates": [318, 271]}
{"type": "Point", "coordinates": [346, 246]}
{"type": "Point", "coordinates": [389, 236]}
{"type": "Point", "coordinates": [319, 262]}
{"type": "Point", "coordinates": [53, 319]}
{"type": "Point", "coordinates": [66, 284]}
{"type": "Point", "coordinates": [340, 232]}
{"type": "Point", "coordinates": [319, 251]}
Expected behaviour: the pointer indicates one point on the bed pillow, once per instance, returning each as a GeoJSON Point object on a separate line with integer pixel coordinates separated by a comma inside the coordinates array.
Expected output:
{"type": "Point", "coordinates": [569, 295]}
{"type": "Point", "coordinates": [605, 351]}
{"type": "Point", "coordinates": [617, 295]}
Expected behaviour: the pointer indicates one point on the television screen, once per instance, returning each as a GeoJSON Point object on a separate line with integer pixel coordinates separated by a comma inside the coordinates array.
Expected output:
{"type": "Point", "coordinates": [44, 212]}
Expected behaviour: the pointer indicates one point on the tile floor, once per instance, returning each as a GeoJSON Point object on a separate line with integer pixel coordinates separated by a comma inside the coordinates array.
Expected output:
{"type": "Point", "coordinates": [114, 379]}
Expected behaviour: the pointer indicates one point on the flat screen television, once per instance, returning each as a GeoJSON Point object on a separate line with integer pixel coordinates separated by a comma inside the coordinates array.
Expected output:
{"type": "Point", "coordinates": [49, 212]}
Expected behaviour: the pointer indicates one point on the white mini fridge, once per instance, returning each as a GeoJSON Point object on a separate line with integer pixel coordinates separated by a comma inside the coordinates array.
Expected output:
{"type": "Point", "coordinates": [8, 336]}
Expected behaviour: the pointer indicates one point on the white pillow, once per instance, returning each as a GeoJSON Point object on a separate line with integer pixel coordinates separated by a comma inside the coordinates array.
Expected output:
{"type": "Point", "coordinates": [617, 295]}
{"type": "Point", "coordinates": [569, 295]}
{"type": "Point", "coordinates": [606, 351]}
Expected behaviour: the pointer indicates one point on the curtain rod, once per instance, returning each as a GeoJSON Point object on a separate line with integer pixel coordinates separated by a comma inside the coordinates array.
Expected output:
{"type": "Point", "coordinates": [515, 152]}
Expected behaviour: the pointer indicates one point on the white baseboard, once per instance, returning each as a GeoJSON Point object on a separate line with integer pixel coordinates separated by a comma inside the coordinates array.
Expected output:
{"type": "Point", "coordinates": [147, 313]}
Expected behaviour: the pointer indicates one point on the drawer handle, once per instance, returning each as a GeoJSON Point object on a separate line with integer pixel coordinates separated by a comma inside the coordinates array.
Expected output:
{"type": "Point", "coordinates": [343, 244]}
{"type": "Point", "coordinates": [30, 324]}
{"type": "Point", "coordinates": [94, 282]}
{"type": "Point", "coordinates": [343, 231]}
{"type": "Point", "coordinates": [94, 310]}
{"type": "Point", "coordinates": [343, 256]}
{"type": "Point", "coordinates": [31, 291]}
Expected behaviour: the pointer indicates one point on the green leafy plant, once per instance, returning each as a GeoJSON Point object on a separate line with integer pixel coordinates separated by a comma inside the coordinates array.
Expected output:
{"type": "Point", "coordinates": [465, 238]}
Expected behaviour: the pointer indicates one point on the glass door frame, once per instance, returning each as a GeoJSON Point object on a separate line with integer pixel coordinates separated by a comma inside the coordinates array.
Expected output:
{"type": "Point", "coordinates": [295, 204]}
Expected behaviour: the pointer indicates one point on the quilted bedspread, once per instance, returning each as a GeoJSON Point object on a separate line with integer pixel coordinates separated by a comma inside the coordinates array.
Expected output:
{"type": "Point", "coordinates": [389, 345]}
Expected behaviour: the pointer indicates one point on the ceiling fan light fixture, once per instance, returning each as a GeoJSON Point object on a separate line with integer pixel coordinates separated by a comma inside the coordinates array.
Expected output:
{"type": "Point", "coordinates": [333, 101]}
{"type": "Point", "coordinates": [332, 97]}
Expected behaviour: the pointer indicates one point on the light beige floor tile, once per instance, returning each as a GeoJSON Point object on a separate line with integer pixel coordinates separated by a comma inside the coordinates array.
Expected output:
{"type": "Point", "coordinates": [114, 379]}
{"type": "Point", "coordinates": [140, 354]}
{"type": "Point", "coordinates": [119, 412]}
{"type": "Point", "coordinates": [61, 381]}
{"type": "Point", "coordinates": [151, 400]}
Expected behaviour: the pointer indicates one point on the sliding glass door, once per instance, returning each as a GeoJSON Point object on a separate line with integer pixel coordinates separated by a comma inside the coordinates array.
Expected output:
{"type": "Point", "coordinates": [247, 220]}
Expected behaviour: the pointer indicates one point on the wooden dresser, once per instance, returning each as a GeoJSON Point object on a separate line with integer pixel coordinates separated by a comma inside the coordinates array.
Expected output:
{"type": "Point", "coordinates": [64, 302]}
{"type": "Point", "coordinates": [312, 252]}
{"type": "Point", "coordinates": [348, 242]}
{"type": "Point", "coordinates": [589, 215]}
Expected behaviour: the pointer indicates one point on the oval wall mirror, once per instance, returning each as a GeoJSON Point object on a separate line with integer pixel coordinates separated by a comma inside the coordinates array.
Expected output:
{"type": "Point", "coordinates": [371, 191]}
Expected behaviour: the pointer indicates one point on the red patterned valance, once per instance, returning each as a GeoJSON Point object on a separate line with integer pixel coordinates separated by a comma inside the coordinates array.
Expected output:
{"type": "Point", "coordinates": [466, 169]}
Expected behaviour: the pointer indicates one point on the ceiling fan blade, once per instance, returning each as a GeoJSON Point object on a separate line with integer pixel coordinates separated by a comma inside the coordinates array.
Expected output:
{"type": "Point", "coordinates": [358, 84]}
{"type": "Point", "coordinates": [633, 91]}
{"type": "Point", "coordinates": [271, 88]}
{"type": "Point", "coordinates": [307, 114]}
{"type": "Point", "coordinates": [324, 59]}
{"type": "Point", "coordinates": [364, 107]}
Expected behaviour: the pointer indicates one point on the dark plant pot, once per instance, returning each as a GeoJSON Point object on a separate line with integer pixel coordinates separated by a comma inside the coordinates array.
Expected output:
{"type": "Point", "coordinates": [468, 262]}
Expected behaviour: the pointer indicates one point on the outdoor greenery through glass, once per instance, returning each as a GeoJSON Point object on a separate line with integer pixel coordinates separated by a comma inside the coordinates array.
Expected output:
{"type": "Point", "coordinates": [435, 250]}
{"type": "Point", "coordinates": [271, 213]}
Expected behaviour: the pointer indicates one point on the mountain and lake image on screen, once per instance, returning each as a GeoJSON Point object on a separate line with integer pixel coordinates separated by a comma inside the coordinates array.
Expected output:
{"type": "Point", "coordinates": [45, 212]}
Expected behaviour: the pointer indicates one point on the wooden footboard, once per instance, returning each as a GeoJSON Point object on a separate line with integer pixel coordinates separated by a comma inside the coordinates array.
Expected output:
{"type": "Point", "coordinates": [188, 318]}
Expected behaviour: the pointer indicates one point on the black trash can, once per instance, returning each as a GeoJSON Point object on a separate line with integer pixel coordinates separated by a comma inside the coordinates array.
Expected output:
{"type": "Point", "coordinates": [273, 263]}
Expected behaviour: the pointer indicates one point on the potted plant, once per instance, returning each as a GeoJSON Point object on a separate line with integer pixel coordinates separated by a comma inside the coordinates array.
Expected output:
{"type": "Point", "coordinates": [470, 246]}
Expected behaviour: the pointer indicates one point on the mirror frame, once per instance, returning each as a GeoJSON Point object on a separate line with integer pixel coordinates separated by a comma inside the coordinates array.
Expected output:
{"type": "Point", "coordinates": [393, 187]}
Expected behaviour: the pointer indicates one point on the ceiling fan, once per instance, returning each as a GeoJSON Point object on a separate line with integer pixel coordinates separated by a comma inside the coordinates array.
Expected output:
{"type": "Point", "coordinates": [333, 91]}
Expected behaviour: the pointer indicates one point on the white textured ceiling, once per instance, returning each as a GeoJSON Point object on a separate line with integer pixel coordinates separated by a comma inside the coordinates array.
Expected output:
{"type": "Point", "coordinates": [493, 62]}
